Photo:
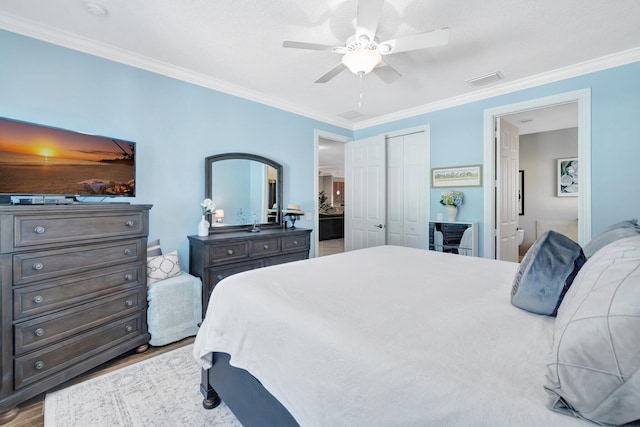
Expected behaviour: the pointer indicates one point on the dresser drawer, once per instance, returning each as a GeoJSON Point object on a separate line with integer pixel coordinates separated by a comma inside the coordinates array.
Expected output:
{"type": "Point", "coordinates": [216, 274]}
{"type": "Point", "coordinates": [45, 330]}
{"type": "Point", "coordinates": [37, 365]}
{"type": "Point", "coordinates": [292, 243]}
{"type": "Point", "coordinates": [220, 254]}
{"type": "Point", "coordinates": [37, 230]}
{"type": "Point", "coordinates": [42, 265]}
{"type": "Point", "coordinates": [265, 247]}
{"type": "Point", "coordinates": [52, 295]}
{"type": "Point", "coordinates": [295, 256]}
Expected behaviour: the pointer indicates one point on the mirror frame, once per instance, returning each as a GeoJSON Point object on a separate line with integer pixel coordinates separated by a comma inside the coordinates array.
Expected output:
{"type": "Point", "coordinates": [208, 164]}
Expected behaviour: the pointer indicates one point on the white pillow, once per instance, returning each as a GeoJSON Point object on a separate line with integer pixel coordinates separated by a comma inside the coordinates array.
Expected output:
{"type": "Point", "coordinates": [162, 267]}
{"type": "Point", "coordinates": [594, 371]}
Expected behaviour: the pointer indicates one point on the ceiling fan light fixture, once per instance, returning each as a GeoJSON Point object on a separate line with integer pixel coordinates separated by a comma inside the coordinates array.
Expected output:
{"type": "Point", "coordinates": [361, 61]}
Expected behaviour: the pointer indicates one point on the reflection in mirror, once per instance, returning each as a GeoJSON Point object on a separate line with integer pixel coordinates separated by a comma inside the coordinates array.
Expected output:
{"type": "Point", "coordinates": [245, 189]}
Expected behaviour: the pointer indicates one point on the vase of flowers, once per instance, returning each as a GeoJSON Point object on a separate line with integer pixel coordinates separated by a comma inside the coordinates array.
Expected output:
{"type": "Point", "coordinates": [208, 207]}
{"type": "Point", "coordinates": [451, 200]}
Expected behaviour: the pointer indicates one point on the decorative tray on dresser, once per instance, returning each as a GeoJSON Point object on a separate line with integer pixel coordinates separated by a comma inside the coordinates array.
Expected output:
{"type": "Point", "coordinates": [72, 293]}
{"type": "Point", "coordinates": [219, 255]}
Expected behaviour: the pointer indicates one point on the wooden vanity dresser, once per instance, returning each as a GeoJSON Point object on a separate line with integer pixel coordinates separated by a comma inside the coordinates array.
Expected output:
{"type": "Point", "coordinates": [219, 255]}
{"type": "Point", "coordinates": [73, 293]}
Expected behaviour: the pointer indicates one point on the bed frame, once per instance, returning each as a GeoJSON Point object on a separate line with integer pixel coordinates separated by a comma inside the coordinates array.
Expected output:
{"type": "Point", "coordinates": [249, 401]}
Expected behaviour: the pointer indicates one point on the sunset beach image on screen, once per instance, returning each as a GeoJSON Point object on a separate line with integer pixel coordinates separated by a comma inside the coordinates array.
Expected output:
{"type": "Point", "coordinates": [41, 160]}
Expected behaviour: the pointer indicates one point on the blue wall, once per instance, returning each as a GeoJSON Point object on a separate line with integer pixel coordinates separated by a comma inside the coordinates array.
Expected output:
{"type": "Point", "coordinates": [457, 139]}
{"type": "Point", "coordinates": [177, 124]}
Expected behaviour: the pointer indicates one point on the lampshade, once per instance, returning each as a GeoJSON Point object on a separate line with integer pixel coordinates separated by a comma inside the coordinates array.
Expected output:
{"type": "Point", "coordinates": [218, 213]}
{"type": "Point", "coordinates": [361, 60]}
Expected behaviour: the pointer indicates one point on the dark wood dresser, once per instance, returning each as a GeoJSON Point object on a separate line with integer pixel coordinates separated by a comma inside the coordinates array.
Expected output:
{"type": "Point", "coordinates": [73, 293]}
{"type": "Point", "coordinates": [219, 255]}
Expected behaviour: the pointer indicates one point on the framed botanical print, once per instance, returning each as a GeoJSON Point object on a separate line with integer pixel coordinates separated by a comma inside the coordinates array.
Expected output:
{"type": "Point", "coordinates": [568, 177]}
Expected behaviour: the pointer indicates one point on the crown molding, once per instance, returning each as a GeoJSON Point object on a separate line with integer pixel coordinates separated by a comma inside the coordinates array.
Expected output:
{"type": "Point", "coordinates": [598, 64]}
{"type": "Point", "coordinates": [72, 41]}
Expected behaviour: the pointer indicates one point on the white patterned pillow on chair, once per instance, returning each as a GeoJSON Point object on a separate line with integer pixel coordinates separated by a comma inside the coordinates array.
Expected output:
{"type": "Point", "coordinates": [162, 267]}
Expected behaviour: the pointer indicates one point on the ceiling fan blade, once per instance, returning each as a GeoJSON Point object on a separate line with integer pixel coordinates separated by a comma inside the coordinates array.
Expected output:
{"type": "Point", "coordinates": [331, 73]}
{"type": "Point", "coordinates": [386, 72]}
{"type": "Point", "coordinates": [367, 18]}
{"type": "Point", "coordinates": [424, 40]}
{"type": "Point", "coordinates": [313, 46]}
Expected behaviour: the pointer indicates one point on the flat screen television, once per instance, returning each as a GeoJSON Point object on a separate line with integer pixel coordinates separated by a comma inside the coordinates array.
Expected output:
{"type": "Point", "coordinates": [38, 160]}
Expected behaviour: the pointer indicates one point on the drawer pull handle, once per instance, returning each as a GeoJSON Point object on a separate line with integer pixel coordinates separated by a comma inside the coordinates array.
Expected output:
{"type": "Point", "coordinates": [38, 299]}
{"type": "Point", "coordinates": [39, 365]}
{"type": "Point", "coordinates": [129, 223]}
{"type": "Point", "coordinates": [265, 247]}
{"type": "Point", "coordinates": [295, 243]}
{"type": "Point", "coordinates": [129, 328]}
{"type": "Point", "coordinates": [128, 276]}
{"type": "Point", "coordinates": [128, 303]}
{"type": "Point", "coordinates": [127, 251]}
{"type": "Point", "coordinates": [39, 230]}
{"type": "Point", "coordinates": [220, 277]}
{"type": "Point", "coordinates": [38, 266]}
{"type": "Point", "coordinates": [38, 332]}
{"type": "Point", "coordinates": [230, 252]}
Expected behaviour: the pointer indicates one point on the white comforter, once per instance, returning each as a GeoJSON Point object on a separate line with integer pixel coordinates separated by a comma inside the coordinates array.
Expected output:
{"type": "Point", "coordinates": [386, 336]}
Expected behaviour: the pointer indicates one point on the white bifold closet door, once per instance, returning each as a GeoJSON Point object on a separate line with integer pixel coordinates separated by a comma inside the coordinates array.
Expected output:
{"type": "Point", "coordinates": [408, 185]}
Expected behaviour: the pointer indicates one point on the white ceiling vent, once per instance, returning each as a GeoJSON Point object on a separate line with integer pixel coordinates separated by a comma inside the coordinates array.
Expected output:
{"type": "Point", "coordinates": [351, 115]}
{"type": "Point", "coordinates": [486, 79]}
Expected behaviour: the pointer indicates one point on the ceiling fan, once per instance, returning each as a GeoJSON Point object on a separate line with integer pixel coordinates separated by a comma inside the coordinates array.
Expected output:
{"type": "Point", "coordinates": [362, 52]}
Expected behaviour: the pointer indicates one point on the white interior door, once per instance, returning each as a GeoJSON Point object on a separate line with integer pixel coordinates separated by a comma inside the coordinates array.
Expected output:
{"type": "Point", "coordinates": [407, 190]}
{"type": "Point", "coordinates": [507, 144]}
{"type": "Point", "coordinates": [365, 193]}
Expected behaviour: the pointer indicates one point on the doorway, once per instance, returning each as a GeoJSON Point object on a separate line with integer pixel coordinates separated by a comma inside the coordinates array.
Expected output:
{"type": "Point", "coordinates": [329, 190]}
{"type": "Point", "coordinates": [544, 136]}
{"type": "Point", "coordinates": [491, 231]}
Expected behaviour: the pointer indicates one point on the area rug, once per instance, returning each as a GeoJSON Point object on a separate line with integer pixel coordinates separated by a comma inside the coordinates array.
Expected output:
{"type": "Point", "coordinates": [161, 391]}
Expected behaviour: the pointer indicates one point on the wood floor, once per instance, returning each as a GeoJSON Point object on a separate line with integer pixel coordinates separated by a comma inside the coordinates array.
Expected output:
{"type": "Point", "coordinates": [32, 412]}
{"type": "Point", "coordinates": [330, 247]}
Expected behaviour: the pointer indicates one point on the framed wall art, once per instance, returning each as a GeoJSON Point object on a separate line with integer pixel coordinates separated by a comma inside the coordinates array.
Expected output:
{"type": "Point", "coordinates": [459, 176]}
{"type": "Point", "coordinates": [568, 177]}
{"type": "Point", "coordinates": [520, 192]}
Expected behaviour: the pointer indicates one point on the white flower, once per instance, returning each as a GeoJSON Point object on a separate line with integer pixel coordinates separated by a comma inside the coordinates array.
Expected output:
{"type": "Point", "coordinates": [207, 206]}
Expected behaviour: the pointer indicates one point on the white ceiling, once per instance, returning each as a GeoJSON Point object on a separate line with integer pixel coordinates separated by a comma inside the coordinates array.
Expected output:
{"type": "Point", "coordinates": [236, 46]}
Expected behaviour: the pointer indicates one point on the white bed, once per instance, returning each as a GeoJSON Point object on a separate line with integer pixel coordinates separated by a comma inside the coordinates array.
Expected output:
{"type": "Point", "coordinates": [386, 336]}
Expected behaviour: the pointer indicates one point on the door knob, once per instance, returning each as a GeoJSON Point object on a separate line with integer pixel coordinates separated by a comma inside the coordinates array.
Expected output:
{"type": "Point", "coordinates": [379, 225]}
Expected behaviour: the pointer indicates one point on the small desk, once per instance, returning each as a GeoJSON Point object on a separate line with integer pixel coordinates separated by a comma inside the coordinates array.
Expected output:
{"type": "Point", "coordinates": [454, 237]}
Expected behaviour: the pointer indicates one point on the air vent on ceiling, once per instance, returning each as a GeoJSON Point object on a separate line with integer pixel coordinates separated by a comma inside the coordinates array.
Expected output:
{"type": "Point", "coordinates": [351, 115]}
{"type": "Point", "coordinates": [486, 79]}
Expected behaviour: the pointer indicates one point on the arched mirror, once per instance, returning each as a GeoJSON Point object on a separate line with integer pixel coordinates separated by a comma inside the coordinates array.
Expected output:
{"type": "Point", "coordinates": [245, 188]}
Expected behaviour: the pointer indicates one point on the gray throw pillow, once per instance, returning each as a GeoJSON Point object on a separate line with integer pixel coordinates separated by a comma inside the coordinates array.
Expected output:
{"type": "Point", "coordinates": [546, 272]}
{"type": "Point", "coordinates": [594, 367]}
{"type": "Point", "coordinates": [615, 232]}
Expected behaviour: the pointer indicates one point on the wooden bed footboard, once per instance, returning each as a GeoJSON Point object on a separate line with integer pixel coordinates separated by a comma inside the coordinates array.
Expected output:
{"type": "Point", "coordinates": [249, 401]}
